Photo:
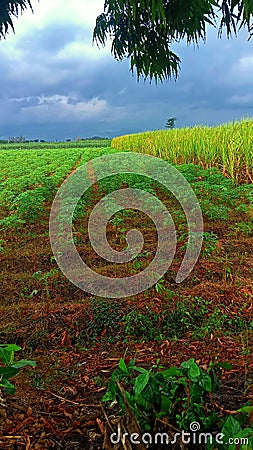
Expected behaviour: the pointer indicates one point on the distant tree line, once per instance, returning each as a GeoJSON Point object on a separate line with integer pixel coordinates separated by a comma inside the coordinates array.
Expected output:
{"type": "Point", "coordinates": [93, 138]}
{"type": "Point", "coordinates": [19, 140]}
{"type": "Point", "coordinates": [22, 139]}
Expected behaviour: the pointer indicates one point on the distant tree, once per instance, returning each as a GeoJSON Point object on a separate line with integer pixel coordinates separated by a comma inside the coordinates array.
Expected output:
{"type": "Point", "coordinates": [17, 139]}
{"type": "Point", "coordinates": [96, 138]}
{"type": "Point", "coordinates": [171, 123]}
{"type": "Point", "coordinates": [68, 140]}
{"type": "Point", "coordinates": [42, 140]}
{"type": "Point", "coordinates": [36, 140]}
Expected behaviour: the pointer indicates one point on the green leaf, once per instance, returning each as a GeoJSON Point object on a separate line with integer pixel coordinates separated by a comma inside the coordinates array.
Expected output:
{"type": "Point", "coordinates": [5, 356]}
{"type": "Point", "coordinates": [172, 372]}
{"type": "Point", "coordinates": [10, 347]}
{"type": "Point", "coordinates": [245, 409]}
{"type": "Point", "coordinates": [188, 364]}
{"type": "Point", "coordinates": [112, 391]}
{"type": "Point", "coordinates": [122, 366]}
{"type": "Point", "coordinates": [132, 363]}
{"type": "Point", "coordinates": [7, 353]}
{"type": "Point", "coordinates": [222, 365]}
{"type": "Point", "coordinates": [166, 404]}
{"type": "Point", "coordinates": [194, 370]}
{"type": "Point", "coordinates": [231, 428]}
{"type": "Point", "coordinates": [23, 363]}
{"type": "Point", "coordinates": [141, 382]}
{"type": "Point", "coordinates": [140, 369]}
{"type": "Point", "coordinates": [7, 386]}
{"type": "Point", "coordinates": [8, 372]}
{"type": "Point", "coordinates": [206, 383]}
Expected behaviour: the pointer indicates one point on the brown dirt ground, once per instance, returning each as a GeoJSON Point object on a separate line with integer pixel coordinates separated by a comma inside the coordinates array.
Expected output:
{"type": "Point", "coordinates": [58, 404]}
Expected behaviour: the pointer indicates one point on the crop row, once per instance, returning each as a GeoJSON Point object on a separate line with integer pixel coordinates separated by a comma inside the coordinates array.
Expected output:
{"type": "Point", "coordinates": [31, 177]}
{"type": "Point", "coordinates": [89, 143]}
{"type": "Point", "coordinates": [228, 147]}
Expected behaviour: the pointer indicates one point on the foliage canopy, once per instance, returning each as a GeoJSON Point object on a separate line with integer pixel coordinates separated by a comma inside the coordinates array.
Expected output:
{"type": "Point", "coordinates": [8, 10]}
{"type": "Point", "coordinates": [143, 30]}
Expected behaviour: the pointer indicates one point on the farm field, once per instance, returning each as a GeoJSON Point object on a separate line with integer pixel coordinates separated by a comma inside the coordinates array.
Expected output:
{"type": "Point", "coordinates": [227, 147]}
{"type": "Point", "coordinates": [77, 339]}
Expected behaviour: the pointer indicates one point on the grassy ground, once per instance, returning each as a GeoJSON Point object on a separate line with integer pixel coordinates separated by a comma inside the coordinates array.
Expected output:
{"type": "Point", "coordinates": [77, 340]}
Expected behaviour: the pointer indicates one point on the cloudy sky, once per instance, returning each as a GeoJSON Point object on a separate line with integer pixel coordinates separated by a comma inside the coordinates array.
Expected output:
{"type": "Point", "coordinates": [54, 84]}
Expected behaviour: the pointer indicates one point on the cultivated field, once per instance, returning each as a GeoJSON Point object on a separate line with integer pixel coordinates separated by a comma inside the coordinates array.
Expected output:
{"type": "Point", "coordinates": [77, 339]}
{"type": "Point", "coordinates": [227, 147]}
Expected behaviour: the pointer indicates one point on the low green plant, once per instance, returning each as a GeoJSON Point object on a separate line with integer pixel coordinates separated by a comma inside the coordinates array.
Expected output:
{"type": "Point", "coordinates": [10, 367]}
{"type": "Point", "coordinates": [141, 326]}
{"type": "Point", "coordinates": [246, 227]}
{"type": "Point", "coordinates": [178, 397]}
{"type": "Point", "coordinates": [210, 241]}
{"type": "Point", "coordinates": [242, 436]}
{"type": "Point", "coordinates": [179, 393]}
{"type": "Point", "coordinates": [44, 277]}
{"type": "Point", "coordinates": [2, 242]}
{"type": "Point", "coordinates": [103, 319]}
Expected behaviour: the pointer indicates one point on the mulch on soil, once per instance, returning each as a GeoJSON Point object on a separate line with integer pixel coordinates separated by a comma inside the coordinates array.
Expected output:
{"type": "Point", "coordinates": [57, 405]}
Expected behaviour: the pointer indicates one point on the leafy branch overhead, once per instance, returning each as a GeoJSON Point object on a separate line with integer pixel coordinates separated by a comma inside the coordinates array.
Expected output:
{"type": "Point", "coordinates": [144, 30]}
{"type": "Point", "coordinates": [9, 10]}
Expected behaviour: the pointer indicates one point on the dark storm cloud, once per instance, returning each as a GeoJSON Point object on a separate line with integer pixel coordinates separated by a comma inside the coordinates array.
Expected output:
{"type": "Point", "coordinates": [54, 85]}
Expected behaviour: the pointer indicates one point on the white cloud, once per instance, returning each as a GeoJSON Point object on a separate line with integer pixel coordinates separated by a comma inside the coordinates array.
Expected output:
{"type": "Point", "coordinates": [65, 108]}
{"type": "Point", "coordinates": [46, 11]}
{"type": "Point", "coordinates": [54, 83]}
{"type": "Point", "coordinates": [246, 99]}
{"type": "Point", "coordinates": [242, 70]}
{"type": "Point", "coordinates": [81, 14]}
{"type": "Point", "coordinates": [20, 99]}
{"type": "Point", "coordinates": [246, 63]}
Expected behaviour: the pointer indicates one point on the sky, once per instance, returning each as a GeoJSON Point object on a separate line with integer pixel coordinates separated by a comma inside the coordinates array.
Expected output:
{"type": "Point", "coordinates": [56, 85]}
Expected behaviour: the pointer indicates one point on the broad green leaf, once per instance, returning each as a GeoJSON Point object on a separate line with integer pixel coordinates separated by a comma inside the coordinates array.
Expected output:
{"type": "Point", "coordinates": [206, 382]}
{"type": "Point", "coordinates": [10, 347]}
{"type": "Point", "coordinates": [245, 409]}
{"type": "Point", "coordinates": [112, 391]}
{"type": "Point", "coordinates": [8, 372]}
{"type": "Point", "coordinates": [6, 357]}
{"type": "Point", "coordinates": [172, 372]}
{"type": "Point", "coordinates": [7, 353]}
{"type": "Point", "coordinates": [231, 428]}
{"type": "Point", "coordinates": [122, 365]}
{"type": "Point", "coordinates": [222, 365]}
{"type": "Point", "coordinates": [140, 383]}
{"type": "Point", "coordinates": [140, 369]}
{"type": "Point", "coordinates": [166, 404]}
{"type": "Point", "coordinates": [23, 363]}
{"type": "Point", "coordinates": [188, 364]}
{"type": "Point", "coordinates": [7, 386]}
{"type": "Point", "coordinates": [132, 363]}
{"type": "Point", "coordinates": [194, 371]}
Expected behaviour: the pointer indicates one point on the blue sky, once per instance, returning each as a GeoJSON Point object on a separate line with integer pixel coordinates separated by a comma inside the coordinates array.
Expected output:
{"type": "Point", "coordinates": [54, 84]}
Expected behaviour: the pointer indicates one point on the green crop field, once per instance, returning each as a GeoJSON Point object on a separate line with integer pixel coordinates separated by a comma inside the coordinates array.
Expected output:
{"type": "Point", "coordinates": [77, 338]}
{"type": "Point", "coordinates": [29, 177]}
{"type": "Point", "coordinates": [227, 147]}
